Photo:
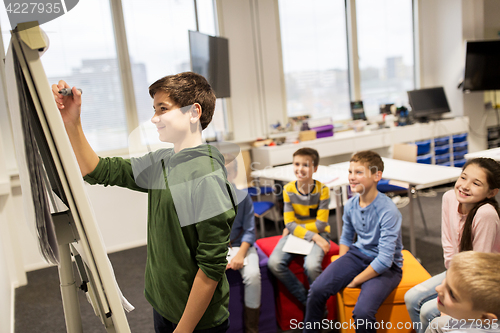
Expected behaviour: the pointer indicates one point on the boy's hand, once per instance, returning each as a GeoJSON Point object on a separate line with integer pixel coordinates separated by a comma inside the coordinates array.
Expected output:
{"type": "Point", "coordinates": [237, 262]}
{"type": "Point", "coordinates": [285, 232]}
{"type": "Point", "coordinates": [353, 284]}
{"type": "Point", "coordinates": [323, 243]}
{"type": "Point", "coordinates": [69, 106]}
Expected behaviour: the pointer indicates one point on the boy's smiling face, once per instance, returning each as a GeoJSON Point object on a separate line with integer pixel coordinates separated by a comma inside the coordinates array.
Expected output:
{"type": "Point", "coordinates": [171, 122]}
{"type": "Point", "coordinates": [453, 301]}
{"type": "Point", "coordinates": [303, 168]}
{"type": "Point", "coordinates": [362, 178]}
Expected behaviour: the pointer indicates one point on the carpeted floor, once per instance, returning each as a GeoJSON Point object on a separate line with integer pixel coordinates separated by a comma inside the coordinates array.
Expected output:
{"type": "Point", "coordinates": [38, 306]}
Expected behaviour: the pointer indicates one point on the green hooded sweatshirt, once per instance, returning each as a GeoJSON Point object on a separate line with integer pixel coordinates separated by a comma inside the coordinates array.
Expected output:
{"type": "Point", "coordinates": [191, 208]}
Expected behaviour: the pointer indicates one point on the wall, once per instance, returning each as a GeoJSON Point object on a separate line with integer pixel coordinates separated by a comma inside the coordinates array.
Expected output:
{"type": "Point", "coordinates": [444, 26]}
{"type": "Point", "coordinates": [252, 28]}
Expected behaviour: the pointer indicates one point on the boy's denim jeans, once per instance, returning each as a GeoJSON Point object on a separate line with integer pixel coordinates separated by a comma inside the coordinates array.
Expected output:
{"type": "Point", "coordinates": [279, 261]}
{"type": "Point", "coordinates": [422, 304]}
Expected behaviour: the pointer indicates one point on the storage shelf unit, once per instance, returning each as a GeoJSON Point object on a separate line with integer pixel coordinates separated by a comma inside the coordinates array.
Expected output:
{"type": "Point", "coordinates": [350, 141]}
{"type": "Point", "coordinates": [446, 150]}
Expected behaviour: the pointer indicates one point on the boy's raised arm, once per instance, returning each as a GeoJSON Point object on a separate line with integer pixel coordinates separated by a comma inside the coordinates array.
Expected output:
{"type": "Point", "coordinates": [70, 108]}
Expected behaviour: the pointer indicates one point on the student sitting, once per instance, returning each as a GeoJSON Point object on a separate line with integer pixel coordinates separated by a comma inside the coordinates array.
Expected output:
{"type": "Point", "coordinates": [470, 293]}
{"type": "Point", "coordinates": [374, 261]}
{"type": "Point", "coordinates": [306, 216]}
{"type": "Point", "coordinates": [243, 236]}
{"type": "Point", "coordinates": [470, 222]}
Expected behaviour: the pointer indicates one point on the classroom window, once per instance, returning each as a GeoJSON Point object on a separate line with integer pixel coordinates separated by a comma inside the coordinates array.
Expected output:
{"type": "Point", "coordinates": [160, 47]}
{"type": "Point", "coordinates": [385, 48]}
{"type": "Point", "coordinates": [314, 47]}
{"type": "Point", "coordinates": [87, 59]}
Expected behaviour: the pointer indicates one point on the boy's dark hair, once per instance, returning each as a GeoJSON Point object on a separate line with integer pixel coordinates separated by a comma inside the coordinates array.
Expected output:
{"type": "Point", "coordinates": [185, 89]}
{"type": "Point", "coordinates": [371, 158]}
{"type": "Point", "coordinates": [313, 153]}
{"type": "Point", "coordinates": [492, 170]}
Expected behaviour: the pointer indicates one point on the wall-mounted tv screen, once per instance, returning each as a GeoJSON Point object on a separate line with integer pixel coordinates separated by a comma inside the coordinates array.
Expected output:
{"type": "Point", "coordinates": [482, 65]}
{"type": "Point", "coordinates": [210, 58]}
{"type": "Point", "coordinates": [429, 103]}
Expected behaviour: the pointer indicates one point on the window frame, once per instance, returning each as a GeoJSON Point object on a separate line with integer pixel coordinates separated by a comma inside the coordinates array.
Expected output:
{"type": "Point", "coordinates": [354, 74]}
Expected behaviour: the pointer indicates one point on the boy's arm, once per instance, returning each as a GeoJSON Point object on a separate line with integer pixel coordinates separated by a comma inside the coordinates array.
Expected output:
{"type": "Point", "coordinates": [70, 108]}
{"type": "Point", "coordinates": [343, 249]}
{"type": "Point", "coordinates": [348, 230]}
{"type": "Point", "coordinates": [367, 274]}
{"type": "Point", "coordinates": [323, 210]}
{"type": "Point", "coordinates": [390, 229]}
{"type": "Point", "coordinates": [248, 237]}
{"type": "Point", "coordinates": [199, 298]}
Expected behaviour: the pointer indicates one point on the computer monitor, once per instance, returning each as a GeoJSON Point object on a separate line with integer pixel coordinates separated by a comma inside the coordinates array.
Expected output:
{"type": "Point", "coordinates": [357, 110]}
{"type": "Point", "coordinates": [429, 103]}
{"type": "Point", "coordinates": [482, 66]}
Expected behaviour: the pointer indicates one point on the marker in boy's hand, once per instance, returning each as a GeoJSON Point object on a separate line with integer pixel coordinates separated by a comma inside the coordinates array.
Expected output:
{"type": "Point", "coordinates": [68, 91]}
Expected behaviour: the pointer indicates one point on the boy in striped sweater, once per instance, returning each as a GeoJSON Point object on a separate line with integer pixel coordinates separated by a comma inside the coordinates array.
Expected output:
{"type": "Point", "coordinates": [306, 216]}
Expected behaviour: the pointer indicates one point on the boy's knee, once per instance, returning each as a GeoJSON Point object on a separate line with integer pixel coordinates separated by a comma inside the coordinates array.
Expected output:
{"type": "Point", "coordinates": [363, 313]}
{"type": "Point", "coordinates": [274, 264]}
{"type": "Point", "coordinates": [429, 311]}
{"type": "Point", "coordinates": [252, 278]}
{"type": "Point", "coordinates": [315, 291]}
{"type": "Point", "coordinates": [312, 265]}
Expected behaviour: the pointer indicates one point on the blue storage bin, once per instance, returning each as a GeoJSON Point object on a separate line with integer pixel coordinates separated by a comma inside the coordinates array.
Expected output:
{"type": "Point", "coordinates": [445, 163]}
{"type": "Point", "coordinates": [459, 146]}
{"type": "Point", "coordinates": [425, 159]}
{"type": "Point", "coordinates": [438, 150]}
{"type": "Point", "coordinates": [459, 155]}
{"type": "Point", "coordinates": [441, 141]}
{"type": "Point", "coordinates": [459, 137]}
{"type": "Point", "coordinates": [423, 147]}
{"type": "Point", "coordinates": [443, 158]}
{"type": "Point", "coordinates": [459, 163]}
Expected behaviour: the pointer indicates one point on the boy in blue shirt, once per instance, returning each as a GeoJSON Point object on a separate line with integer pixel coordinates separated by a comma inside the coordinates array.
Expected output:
{"type": "Point", "coordinates": [374, 261]}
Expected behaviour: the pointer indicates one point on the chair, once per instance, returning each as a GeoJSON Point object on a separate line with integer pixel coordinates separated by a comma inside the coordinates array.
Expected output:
{"type": "Point", "coordinates": [393, 310]}
{"type": "Point", "coordinates": [267, 318]}
{"type": "Point", "coordinates": [287, 307]}
{"type": "Point", "coordinates": [262, 208]}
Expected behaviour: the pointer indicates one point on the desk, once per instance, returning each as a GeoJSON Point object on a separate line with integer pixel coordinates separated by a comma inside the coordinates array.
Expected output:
{"type": "Point", "coordinates": [349, 141]}
{"type": "Point", "coordinates": [333, 177]}
{"type": "Point", "coordinates": [493, 153]}
{"type": "Point", "coordinates": [418, 176]}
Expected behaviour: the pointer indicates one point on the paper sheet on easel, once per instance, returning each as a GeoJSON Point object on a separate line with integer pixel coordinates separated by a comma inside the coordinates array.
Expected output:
{"type": "Point", "coordinates": [232, 252]}
{"type": "Point", "coordinates": [297, 245]}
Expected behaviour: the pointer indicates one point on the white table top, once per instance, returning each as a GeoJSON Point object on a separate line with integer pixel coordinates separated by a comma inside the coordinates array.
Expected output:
{"type": "Point", "coordinates": [417, 174]}
{"type": "Point", "coordinates": [493, 153]}
{"type": "Point", "coordinates": [331, 176]}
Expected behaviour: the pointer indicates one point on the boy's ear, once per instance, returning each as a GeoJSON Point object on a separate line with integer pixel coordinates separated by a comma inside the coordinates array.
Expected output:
{"type": "Point", "coordinates": [489, 316]}
{"type": "Point", "coordinates": [377, 176]}
{"type": "Point", "coordinates": [195, 112]}
{"type": "Point", "coordinates": [315, 168]}
{"type": "Point", "coordinates": [492, 193]}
